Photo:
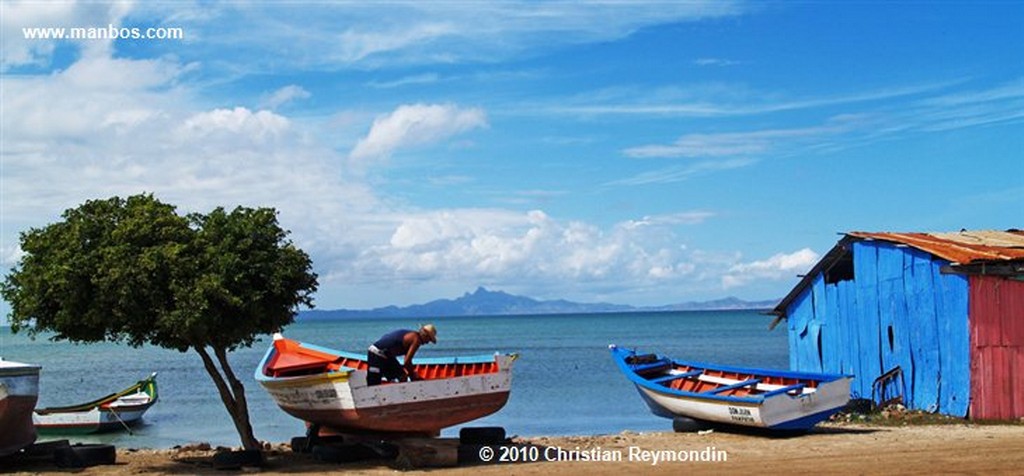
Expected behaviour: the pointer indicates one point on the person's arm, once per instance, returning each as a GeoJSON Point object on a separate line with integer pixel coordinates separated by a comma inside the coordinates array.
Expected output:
{"type": "Point", "coordinates": [407, 365]}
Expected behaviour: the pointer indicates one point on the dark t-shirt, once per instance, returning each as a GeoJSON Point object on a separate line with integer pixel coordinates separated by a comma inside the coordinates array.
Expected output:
{"type": "Point", "coordinates": [392, 343]}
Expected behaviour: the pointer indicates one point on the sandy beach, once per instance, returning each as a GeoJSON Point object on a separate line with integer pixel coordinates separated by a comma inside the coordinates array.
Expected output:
{"type": "Point", "coordinates": [848, 449]}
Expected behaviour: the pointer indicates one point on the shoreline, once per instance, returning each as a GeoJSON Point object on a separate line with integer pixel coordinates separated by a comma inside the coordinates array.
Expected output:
{"type": "Point", "coordinates": [832, 448]}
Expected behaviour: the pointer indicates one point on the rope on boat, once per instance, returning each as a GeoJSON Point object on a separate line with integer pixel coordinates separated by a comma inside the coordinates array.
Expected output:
{"type": "Point", "coordinates": [125, 425]}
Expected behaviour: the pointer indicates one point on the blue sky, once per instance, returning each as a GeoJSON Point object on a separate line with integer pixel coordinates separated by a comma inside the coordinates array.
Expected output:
{"type": "Point", "coordinates": [628, 152]}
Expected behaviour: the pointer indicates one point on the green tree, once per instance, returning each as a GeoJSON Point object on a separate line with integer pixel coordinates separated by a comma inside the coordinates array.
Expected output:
{"type": "Point", "coordinates": [134, 271]}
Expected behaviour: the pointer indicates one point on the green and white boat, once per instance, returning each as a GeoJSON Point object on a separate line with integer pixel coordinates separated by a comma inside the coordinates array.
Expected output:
{"type": "Point", "coordinates": [114, 412]}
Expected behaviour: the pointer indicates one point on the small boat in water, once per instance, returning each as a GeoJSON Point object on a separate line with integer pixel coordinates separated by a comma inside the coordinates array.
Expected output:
{"type": "Point", "coordinates": [328, 388]}
{"type": "Point", "coordinates": [19, 391]}
{"type": "Point", "coordinates": [117, 411]}
{"type": "Point", "coordinates": [772, 399]}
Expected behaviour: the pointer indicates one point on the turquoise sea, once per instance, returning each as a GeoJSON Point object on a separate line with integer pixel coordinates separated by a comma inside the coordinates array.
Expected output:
{"type": "Point", "coordinates": [564, 382]}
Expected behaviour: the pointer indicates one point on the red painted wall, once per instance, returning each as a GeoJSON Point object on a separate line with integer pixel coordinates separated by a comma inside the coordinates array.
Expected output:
{"type": "Point", "coordinates": [996, 316]}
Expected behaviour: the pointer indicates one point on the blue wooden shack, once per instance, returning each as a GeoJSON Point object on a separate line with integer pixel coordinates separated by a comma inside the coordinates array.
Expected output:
{"type": "Point", "coordinates": [894, 310]}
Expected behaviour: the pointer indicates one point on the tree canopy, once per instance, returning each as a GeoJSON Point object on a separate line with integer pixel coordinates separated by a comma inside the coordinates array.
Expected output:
{"type": "Point", "coordinates": [134, 271]}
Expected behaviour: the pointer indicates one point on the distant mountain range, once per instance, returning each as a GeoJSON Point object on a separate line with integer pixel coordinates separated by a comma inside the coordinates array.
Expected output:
{"type": "Point", "coordinates": [484, 302]}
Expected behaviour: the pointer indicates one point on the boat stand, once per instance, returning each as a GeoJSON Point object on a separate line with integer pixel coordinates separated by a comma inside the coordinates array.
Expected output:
{"type": "Point", "coordinates": [405, 451]}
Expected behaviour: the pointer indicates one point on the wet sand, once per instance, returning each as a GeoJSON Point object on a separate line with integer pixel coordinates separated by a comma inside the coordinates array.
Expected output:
{"type": "Point", "coordinates": [845, 449]}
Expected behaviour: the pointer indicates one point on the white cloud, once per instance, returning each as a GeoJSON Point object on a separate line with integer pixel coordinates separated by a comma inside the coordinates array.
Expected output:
{"type": "Point", "coordinates": [259, 126]}
{"type": "Point", "coordinates": [714, 62]}
{"type": "Point", "coordinates": [680, 173]}
{"type": "Point", "coordinates": [481, 245]}
{"type": "Point", "coordinates": [69, 138]}
{"type": "Point", "coordinates": [284, 96]}
{"type": "Point", "coordinates": [425, 78]}
{"type": "Point", "coordinates": [718, 100]}
{"type": "Point", "coordinates": [682, 218]}
{"type": "Point", "coordinates": [415, 125]}
{"type": "Point", "coordinates": [421, 33]}
{"type": "Point", "coordinates": [778, 267]}
{"type": "Point", "coordinates": [357, 45]}
{"type": "Point", "coordinates": [75, 101]}
{"type": "Point", "coordinates": [20, 51]}
{"type": "Point", "coordinates": [28, 25]}
{"type": "Point", "coordinates": [10, 254]}
{"type": "Point", "coordinates": [737, 143]}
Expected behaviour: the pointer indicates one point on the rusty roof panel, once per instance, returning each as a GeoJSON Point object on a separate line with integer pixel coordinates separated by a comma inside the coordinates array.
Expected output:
{"type": "Point", "coordinates": [962, 247]}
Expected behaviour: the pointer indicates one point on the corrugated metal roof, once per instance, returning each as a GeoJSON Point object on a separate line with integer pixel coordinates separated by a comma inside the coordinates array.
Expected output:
{"type": "Point", "coordinates": [962, 247]}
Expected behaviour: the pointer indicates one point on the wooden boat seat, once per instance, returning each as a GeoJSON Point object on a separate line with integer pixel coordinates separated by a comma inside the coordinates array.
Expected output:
{"type": "Point", "coordinates": [726, 388]}
{"type": "Point", "coordinates": [789, 388]}
{"type": "Point", "coordinates": [669, 378]}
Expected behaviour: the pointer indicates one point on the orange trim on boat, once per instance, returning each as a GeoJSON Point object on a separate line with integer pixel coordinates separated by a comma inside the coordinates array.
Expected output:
{"type": "Point", "coordinates": [291, 358]}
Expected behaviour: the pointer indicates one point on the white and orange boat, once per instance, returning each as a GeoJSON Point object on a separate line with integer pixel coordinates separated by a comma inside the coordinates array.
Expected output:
{"type": "Point", "coordinates": [328, 387]}
{"type": "Point", "coordinates": [19, 391]}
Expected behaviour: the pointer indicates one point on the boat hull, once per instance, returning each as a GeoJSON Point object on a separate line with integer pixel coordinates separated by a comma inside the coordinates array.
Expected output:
{"type": "Point", "coordinates": [341, 401]}
{"type": "Point", "coordinates": [19, 392]}
{"type": "Point", "coordinates": [116, 412]}
{"type": "Point", "coordinates": [782, 412]}
{"type": "Point", "coordinates": [757, 398]}
{"type": "Point", "coordinates": [426, 417]}
{"type": "Point", "coordinates": [92, 421]}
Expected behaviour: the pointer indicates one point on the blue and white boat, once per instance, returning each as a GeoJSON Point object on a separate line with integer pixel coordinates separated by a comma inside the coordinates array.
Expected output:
{"type": "Point", "coordinates": [772, 399]}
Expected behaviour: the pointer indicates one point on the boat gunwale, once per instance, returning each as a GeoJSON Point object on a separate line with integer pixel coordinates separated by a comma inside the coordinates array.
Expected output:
{"type": "Point", "coordinates": [619, 354]}
{"type": "Point", "coordinates": [344, 372]}
{"type": "Point", "coordinates": [10, 368]}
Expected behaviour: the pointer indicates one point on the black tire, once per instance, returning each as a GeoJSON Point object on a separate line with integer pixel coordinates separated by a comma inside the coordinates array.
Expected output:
{"type": "Point", "coordinates": [345, 453]}
{"type": "Point", "coordinates": [300, 444]}
{"type": "Point", "coordinates": [484, 435]}
{"type": "Point", "coordinates": [305, 444]}
{"type": "Point", "coordinates": [238, 459]}
{"type": "Point", "coordinates": [45, 449]}
{"type": "Point", "coordinates": [84, 456]}
{"type": "Point", "coordinates": [688, 425]}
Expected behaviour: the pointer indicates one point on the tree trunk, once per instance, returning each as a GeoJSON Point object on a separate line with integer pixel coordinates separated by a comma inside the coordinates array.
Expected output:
{"type": "Point", "coordinates": [242, 422]}
{"type": "Point", "coordinates": [233, 395]}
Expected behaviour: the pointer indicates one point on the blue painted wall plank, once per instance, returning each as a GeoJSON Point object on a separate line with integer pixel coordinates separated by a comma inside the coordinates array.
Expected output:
{"type": "Point", "coordinates": [865, 265]}
{"type": "Point", "coordinates": [821, 321]}
{"type": "Point", "coordinates": [896, 326]}
{"type": "Point", "coordinates": [812, 357]}
{"type": "Point", "coordinates": [799, 315]}
{"type": "Point", "coordinates": [847, 292]}
{"type": "Point", "coordinates": [951, 292]}
{"type": "Point", "coordinates": [924, 340]}
{"type": "Point", "coordinates": [835, 340]}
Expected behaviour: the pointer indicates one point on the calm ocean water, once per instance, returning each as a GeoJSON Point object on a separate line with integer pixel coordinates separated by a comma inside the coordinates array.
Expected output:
{"type": "Point", "coordinates": [564, 382]}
